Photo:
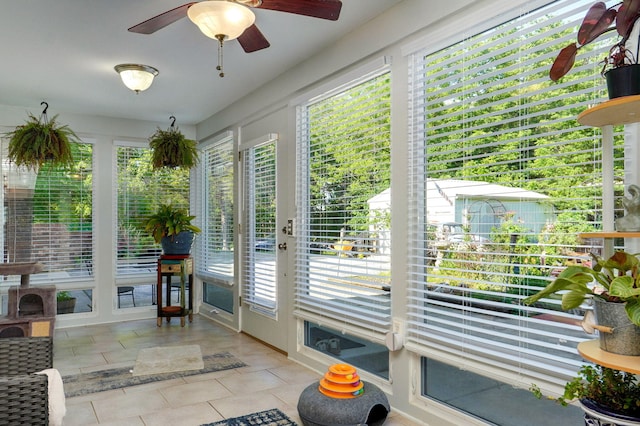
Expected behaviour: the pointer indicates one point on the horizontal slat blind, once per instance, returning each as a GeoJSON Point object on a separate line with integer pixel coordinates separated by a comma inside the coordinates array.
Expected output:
{"type": "Point", "coordinates": [52, 222]}
{"type": "Point", "coordinates": [259, 211]}
{"type": "Point", "coordinates": [343, 201]}
{"type": "Point", "coordinates": [502, 178]}
{"type": "Point", "coordinates": [140, 191]}
{"type": "Point", "coordinates": [216, 245]}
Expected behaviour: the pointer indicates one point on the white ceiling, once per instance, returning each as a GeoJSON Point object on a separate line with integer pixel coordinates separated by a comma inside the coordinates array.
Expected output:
{"type": "Point", "coordinates": [64, 51]}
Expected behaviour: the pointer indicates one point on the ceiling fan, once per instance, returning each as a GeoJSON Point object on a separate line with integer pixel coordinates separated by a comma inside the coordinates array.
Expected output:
{"type": "Point", "coordinates": [229, 19]}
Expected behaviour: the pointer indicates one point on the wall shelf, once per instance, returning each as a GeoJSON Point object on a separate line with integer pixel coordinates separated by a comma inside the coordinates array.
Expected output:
{"type": "Point", "coordinates": [625, 110]}
{"type": "Point", "coordinates": [590, 350]}
{"type": "Point", "coordinates": [612, 234]}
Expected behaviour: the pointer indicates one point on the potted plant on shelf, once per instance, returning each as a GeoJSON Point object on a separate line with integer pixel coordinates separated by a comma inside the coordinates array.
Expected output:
{"type": "Point", "coordinates": [607, 396]}
{"type": "Point", "coordinates": [172, 149]}
{"type": "Point", "coordinates": [614, 285]}
{"type": "Point", "coordinates": [171, 227]}
{"type": "Point", "coordinates": [41, 141]}
{"type": "Point", "coordinates": [620, 67]}
{"type": "Point", "coordinates": [66, 303]}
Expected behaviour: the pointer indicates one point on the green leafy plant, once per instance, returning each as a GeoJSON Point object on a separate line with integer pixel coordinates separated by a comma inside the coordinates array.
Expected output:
{"type": "Point", "coordinates": [172, 149]}
{"type": "Point", "coordinates": [40, 140]}
{"type": "Point", "coordinates": [615, 390]}
{"type": "Point", "coordinates": [599, 20]}
{"type": "Point", "coordinates": [63, 295]}
{"type": "Point", "coordinates": [169, 221]}
{"type": "Point", "coordinates": [615, 280]}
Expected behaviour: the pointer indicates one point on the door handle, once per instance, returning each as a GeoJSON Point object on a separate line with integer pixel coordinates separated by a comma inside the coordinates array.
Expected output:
{"type": "Point", "coordinates": [282, 246]}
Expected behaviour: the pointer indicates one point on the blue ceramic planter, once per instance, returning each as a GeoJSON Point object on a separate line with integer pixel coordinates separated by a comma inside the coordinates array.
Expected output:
{"type": "Point", "coordinates": [177, 244]}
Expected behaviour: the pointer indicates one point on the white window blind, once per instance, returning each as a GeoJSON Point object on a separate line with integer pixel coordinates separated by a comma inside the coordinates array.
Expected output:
{"type": "Point", "coordinates": [343, 202]}
{"type": "Point", "coordinates": [259, 223]}
{"type": "Point", "coordinates": [140, 191]}
{"type": "Point", "coordinates": [49, 216]}
{"type": "Point", "coordinates": [502, 178]}
{"type": "Point", "coordinates": [215, 206]}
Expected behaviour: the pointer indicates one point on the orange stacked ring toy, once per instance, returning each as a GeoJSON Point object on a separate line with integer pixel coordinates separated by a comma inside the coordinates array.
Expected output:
{"type": "Point", "coordinates": [341, 381]}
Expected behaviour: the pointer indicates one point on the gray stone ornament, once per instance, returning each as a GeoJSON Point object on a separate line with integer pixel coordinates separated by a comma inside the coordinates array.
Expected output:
{"type": "Point", "coordinates": [630, 222]}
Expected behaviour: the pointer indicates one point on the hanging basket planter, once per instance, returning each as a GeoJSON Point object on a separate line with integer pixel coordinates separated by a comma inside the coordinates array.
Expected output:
{"type": "Point", "coordinates": [41, 141]}
{"type": "Point", "coordinates": [172, 149]}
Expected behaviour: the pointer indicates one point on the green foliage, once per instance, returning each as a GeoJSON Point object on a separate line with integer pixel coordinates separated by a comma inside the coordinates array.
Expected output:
{"type": "Point", "coordinates": [63, 295]}
{"type": "Point", "coordinates": [350, 140]}
{"type": "Point", "coordinates": [169, 221]}
{"type": "Point", "coordinates": [617, 277]}
{"type": "Point", "coordinates": [616, 390]}
{"type": "Point", "coordinates": [39, 141]}
{"type": "Point", "coordinates": [172, 149]}
{"type": "Point", "coordinates": [63, 194]}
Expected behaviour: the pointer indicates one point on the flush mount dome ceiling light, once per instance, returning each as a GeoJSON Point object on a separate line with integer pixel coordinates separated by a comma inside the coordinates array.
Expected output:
{"type": "Point", "coordinates": [136, 77]}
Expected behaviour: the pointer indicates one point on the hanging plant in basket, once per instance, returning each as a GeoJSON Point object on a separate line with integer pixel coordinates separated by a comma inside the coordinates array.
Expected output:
{"type": "Point", "coordinates": [41, 140]}
{"type": "Point", "coordinates": [172, 149]}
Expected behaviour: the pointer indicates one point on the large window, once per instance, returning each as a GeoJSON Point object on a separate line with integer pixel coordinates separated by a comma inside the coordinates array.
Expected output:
{"type": "Point", "coordinates": [140, 190]}
{"type": "Point", "coordinates": [343, 201]}
{"type": "Point", "coordinates": [502, 180]}
{"type": "Point", "coordinates": [48, 216]}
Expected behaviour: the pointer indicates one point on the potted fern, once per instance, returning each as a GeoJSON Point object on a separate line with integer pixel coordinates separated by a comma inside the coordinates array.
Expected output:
{"type": "Point", "coordinates": [172, 149]}
{"type": "Point", "coordinates": [41, 140]}
{"type": "Point", "coordinates": [172, 228]}
{"type": "Point", "coordinates": [620, 67]}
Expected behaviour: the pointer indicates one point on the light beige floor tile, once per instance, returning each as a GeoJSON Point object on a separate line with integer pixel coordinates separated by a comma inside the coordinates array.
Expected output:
{"type": "Point", "coordinates": [295, 374]}
{"type": "Point", "coordinates": [98, 347]}
{"type": "Point", "coordinates": [240, 405]}
{"type": "Point", "coordinates": [129, 405]}
{"type": "Point", "coordinates": [79, 413]}
{"type": "Point", "coordinates": [188, 415]}
{"type": "Point", "coordinates": [192, 393]}
{"type": "Point", "coordinates": [75, 364]}
{"type": "Point", "coordinates": [251, 382]}
{"type": "Point", "coordinates": [291, 393]}
{"type": "Point", "coordinates": [131, 421]}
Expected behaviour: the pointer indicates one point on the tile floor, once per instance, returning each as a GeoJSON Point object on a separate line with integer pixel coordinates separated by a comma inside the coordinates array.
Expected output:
{"type": "Point", "coordinates": [269, 381]}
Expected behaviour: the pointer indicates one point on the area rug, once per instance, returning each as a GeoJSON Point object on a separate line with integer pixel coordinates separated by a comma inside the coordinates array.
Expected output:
{"type": "Point", "coordinates": [272, 417]}
{"type": "Point", "coordinates": [168, 359]}
{"type": "Point", "coordinates": [116, 378]}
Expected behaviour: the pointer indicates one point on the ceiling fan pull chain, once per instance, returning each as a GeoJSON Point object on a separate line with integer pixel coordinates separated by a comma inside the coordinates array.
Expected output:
{"type": "Point", "coordinates": [220, 38]}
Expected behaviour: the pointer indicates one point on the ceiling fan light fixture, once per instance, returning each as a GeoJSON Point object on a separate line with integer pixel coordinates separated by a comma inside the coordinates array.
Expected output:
{"type": "Point", "coordinates": [221, 17]}
{"type": "Point", "coordinates": [136, 77]}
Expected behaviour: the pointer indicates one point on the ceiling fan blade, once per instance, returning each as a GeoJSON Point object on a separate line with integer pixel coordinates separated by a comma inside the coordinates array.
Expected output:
{"type": "Point", "coordinates": [324, 9]}
{"type": "Point", "coordinates": [252, 39]}
{"type": "Point", "coordinates": [160, 21]}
